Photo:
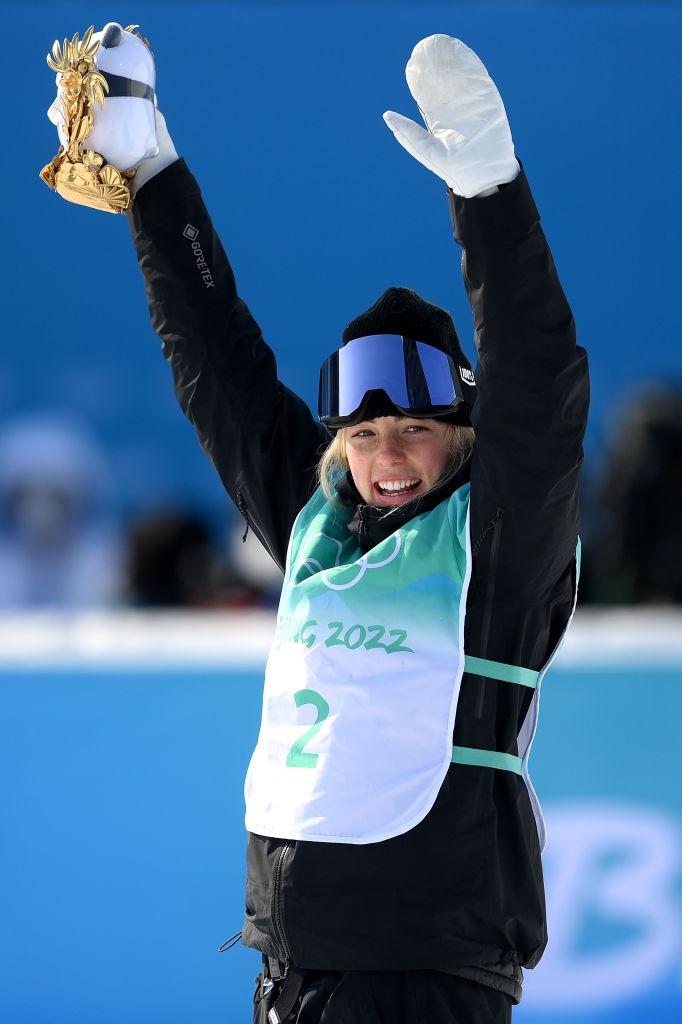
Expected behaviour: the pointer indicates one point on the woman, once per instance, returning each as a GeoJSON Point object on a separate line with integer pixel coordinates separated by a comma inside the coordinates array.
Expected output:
{"type": "Point", "coordinates": [394, 840]}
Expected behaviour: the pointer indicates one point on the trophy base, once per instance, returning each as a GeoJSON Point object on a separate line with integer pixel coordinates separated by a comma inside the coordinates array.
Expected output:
{"type": "Point", "coordinates": [88, 183]}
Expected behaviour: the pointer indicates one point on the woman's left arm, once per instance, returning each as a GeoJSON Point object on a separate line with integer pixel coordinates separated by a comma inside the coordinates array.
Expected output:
{"type": "Point", "coordinates": [533, 394]}
{"type": "Point", "coordinates": [531, 410]}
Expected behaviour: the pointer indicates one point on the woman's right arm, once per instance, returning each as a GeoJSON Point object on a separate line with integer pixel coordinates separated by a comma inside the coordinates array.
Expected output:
{"type": "Point", "coordinates": [262, 438]}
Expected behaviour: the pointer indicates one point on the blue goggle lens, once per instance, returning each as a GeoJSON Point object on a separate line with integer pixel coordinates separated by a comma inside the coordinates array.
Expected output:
{"type": "Point", "coordinates": [417, 378]}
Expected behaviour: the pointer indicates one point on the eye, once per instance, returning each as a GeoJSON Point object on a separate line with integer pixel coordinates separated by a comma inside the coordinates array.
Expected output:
{"type": "Point", "coordinates": [363, 432]}
{"type": "Point", "coordinates": [415, 428]}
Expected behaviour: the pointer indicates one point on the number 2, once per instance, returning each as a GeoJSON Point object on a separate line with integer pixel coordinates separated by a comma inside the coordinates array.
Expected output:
{"type": "Point", "coordinates": [296, 758]}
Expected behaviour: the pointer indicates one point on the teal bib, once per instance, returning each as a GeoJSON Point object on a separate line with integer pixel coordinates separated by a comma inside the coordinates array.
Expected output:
{"type": "Point", "coordinates": [363, 679]}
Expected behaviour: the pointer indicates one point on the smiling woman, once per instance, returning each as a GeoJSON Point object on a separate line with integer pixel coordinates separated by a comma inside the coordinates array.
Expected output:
{"type": "Point", "coordinates": [394, 837]}
{"type": "Point", "coordinates": [393, 459]}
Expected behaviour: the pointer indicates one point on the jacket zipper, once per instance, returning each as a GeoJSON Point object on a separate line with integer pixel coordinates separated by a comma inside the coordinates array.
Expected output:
{"type": "Point", "coordinates": [277, 907]}
{"type": "Point", "coordinates": [241, 505]}
{"type": "Point", "coordinates": [362, 527]}
{"type": "Point", "coordinates": [488, 606]}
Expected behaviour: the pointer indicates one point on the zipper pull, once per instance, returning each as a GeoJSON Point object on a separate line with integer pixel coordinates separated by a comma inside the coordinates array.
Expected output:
{"type": "Point", "coordinates": [241, 505]}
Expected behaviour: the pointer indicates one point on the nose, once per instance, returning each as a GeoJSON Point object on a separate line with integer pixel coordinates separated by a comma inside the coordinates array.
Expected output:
{"type": "Point", "coordinates": [390, 452]}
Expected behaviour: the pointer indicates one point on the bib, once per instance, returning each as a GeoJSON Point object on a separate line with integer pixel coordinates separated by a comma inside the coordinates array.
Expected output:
{"type": "Point", "coordinates": [363, 678]}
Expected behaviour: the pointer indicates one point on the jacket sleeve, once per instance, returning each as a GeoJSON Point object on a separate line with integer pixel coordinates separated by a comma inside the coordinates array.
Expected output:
{"type": "Point", "coordinates": [260, 436]}
{"type": "Point", "coordinates": [530, 419]}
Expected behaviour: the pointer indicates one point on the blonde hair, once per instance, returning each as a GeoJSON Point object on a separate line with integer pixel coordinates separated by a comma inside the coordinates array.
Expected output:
{"type": "Point", "coordinates": [334, 461]}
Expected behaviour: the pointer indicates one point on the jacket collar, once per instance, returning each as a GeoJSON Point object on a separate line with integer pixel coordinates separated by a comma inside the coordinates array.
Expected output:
{"type": "Point", "coordinates": [370, 525]}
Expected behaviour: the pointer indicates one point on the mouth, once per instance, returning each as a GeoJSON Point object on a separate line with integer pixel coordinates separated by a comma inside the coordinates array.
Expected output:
{"type": "Point", "coordinates": [396, 491]}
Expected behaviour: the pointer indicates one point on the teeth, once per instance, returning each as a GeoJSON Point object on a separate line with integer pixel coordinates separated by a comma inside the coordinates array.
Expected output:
{"type": "Point", "coordinates": [396, 485]}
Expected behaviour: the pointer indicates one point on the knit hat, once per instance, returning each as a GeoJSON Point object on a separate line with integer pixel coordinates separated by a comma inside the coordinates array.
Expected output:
{"type": "Point", "coordinates": [403, 311]}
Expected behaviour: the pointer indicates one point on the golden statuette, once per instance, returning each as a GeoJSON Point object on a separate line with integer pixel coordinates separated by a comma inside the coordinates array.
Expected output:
{"type": "Point", "coordinates": [77, 173]}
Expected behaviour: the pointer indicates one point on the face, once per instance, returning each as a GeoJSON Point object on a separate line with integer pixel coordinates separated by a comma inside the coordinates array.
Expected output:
{"type": "Point", "coordinates": [394, 458]}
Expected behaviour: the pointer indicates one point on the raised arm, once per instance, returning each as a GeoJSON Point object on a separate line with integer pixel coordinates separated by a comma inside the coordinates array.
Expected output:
{"type": "Point", "coordinates": [533, 393]}
{"type": "Point", "coordinates": [115, 151]}
{"type": "Point", "coordinates": [531, 410]}
{"type": "Point", "coordinates": [260, 436]}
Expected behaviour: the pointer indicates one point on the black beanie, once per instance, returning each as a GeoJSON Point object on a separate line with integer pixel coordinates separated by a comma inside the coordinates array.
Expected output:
{"type": "Point", "coordinates": [403, 311]}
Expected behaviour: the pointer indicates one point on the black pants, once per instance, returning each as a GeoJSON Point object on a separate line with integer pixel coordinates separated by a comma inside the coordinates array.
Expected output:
{"type": "Point", "coordinates": [385, 997]}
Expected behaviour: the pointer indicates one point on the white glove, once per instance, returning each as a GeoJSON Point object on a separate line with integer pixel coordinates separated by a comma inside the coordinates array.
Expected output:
{"type": "Point", "coordinates": [106, 116]}
{"type": "Point", "coordinates": [468, 143]}
{"type": "Point", "coordinates": [128, 131]}
{"type": "Point", "coordinates": [167, 155]}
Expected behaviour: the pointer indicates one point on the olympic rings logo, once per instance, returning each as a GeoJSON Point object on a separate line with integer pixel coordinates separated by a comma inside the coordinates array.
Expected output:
{"type": "Point", "coordinates": [361, 566]}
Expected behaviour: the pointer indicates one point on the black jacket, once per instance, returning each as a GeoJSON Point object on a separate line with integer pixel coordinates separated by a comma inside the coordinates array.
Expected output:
{"type": "Point", "coordinates": [464, 888]}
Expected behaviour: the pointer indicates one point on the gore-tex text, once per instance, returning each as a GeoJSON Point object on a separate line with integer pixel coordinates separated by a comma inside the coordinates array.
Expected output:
{"type": "Point", "coordinates": [192, 234]}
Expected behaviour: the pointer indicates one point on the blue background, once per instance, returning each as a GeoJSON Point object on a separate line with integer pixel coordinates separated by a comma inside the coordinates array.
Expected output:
{"type": "Point", "coordinates": [122, 852]}
{"type": "Point", "coordinates": [277, 108]}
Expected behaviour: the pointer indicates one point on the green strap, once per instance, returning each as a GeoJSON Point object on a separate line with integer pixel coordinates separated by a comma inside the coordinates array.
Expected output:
{"type": "Point", "coordinates": [498, 670]}
{"type": "Point", "coordinates": [487, 759]}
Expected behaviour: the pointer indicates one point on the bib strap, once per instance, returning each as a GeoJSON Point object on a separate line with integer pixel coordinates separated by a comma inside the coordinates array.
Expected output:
{"type": "Point", "coordinates": [498, 670]}
{"type": "Point", "coordinates": [487, 759]}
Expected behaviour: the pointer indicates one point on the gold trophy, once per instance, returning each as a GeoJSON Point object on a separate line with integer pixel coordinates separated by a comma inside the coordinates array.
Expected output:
{"type": "Point", "coordinates": [86, 90]}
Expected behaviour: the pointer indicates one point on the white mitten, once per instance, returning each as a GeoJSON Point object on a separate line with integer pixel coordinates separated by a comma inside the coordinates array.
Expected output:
{"type": "Point", "coordinates": [166, 155]}
{"type": "Point", "coordinates": [468, 143]}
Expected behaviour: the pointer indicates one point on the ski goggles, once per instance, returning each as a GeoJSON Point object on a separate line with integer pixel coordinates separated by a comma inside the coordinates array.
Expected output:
{"type": "Point", "coordinates": [417, 379]}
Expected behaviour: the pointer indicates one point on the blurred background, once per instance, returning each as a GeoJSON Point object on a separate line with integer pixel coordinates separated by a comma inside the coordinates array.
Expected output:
{"type": "Point", "coordinates": [134, 622]}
